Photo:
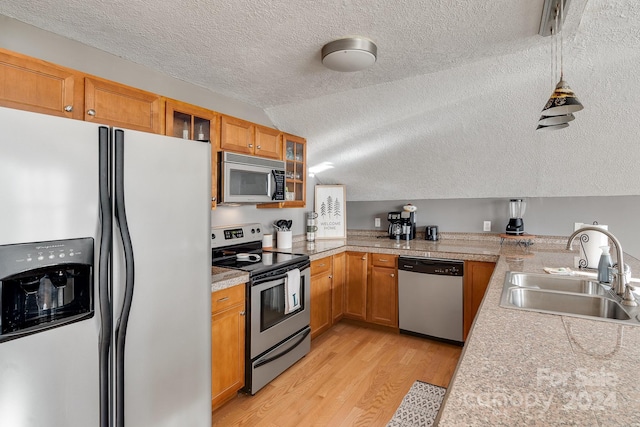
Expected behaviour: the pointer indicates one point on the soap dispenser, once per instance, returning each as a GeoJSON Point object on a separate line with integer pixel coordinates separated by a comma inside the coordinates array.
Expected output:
{"type": "Point", "coordinates": [603, 266]}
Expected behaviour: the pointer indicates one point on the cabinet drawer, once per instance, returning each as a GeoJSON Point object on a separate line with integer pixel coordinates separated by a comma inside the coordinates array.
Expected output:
{"type": "Point", "coordinates": [227, 297]}
{"type": "Point", "coordinates": [384, 260]}
{"type": "Point", "coordinates": [320, 266]}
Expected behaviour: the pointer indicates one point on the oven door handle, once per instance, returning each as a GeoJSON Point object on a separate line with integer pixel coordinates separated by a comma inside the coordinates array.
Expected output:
{"type": "Point", "coordinates": [255, 282]}
{"type": "Point", "coordinates": [279, 355]}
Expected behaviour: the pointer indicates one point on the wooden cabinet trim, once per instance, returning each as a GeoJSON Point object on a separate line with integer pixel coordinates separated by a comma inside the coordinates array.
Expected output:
{"type": "Point", "coordinates": [477, 275]}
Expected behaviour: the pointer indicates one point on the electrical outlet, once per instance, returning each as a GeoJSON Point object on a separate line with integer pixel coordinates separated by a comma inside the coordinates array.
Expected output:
{"type": "Point", "coordinates": [377, 222]}
{"type": "Point", "coordinates": [486, 226]}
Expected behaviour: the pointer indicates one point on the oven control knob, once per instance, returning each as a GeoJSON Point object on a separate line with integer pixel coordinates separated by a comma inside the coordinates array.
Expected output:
{"type": "Point", "coordinates": [253, 231]}
{"type": "Point", "coordinates": [213, 236]}
{"type": "Point", "coordinates": [257, 230]}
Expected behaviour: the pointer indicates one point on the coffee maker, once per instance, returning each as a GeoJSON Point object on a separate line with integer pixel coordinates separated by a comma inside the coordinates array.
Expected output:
{"type": "Point", "coordinates": [395, 225]}
{"type": "Point", "coordinates": [516, 212]}
{"type": "Point", "coordinates": [408, 225]}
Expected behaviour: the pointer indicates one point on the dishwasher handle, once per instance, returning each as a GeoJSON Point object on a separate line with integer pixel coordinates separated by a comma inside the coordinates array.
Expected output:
{"type": "Point", "coordinates": [435, 266]}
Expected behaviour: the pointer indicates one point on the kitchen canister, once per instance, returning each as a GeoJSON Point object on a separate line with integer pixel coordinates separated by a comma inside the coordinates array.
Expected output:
{"type": "Point", "coordinates": [267, 241]}
{"type": "Point", "coordinates": [284, 239]}
{"type": "Point", "coordinates": [311, 226]}
{"type": "Point", "coordinates": [590, 245]}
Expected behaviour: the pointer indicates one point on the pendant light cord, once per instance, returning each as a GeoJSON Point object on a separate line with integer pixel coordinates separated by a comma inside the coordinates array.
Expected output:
{"type": "Point", "coordinates": [561, 39]}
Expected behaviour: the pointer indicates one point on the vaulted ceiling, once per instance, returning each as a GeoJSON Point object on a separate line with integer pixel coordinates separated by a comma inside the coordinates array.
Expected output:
{"type": "Point", "coordinates": [448, 110]}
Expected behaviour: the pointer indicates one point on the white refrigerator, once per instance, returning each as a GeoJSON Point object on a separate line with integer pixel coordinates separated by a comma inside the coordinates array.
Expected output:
{"type": "Point", "coordinates": [141, 354]}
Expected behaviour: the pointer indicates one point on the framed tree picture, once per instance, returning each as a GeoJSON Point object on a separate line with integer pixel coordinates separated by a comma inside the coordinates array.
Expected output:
{"type": "Point", "coordinates": [331, 209]}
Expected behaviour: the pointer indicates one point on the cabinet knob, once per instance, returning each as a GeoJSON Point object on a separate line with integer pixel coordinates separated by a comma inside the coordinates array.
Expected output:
{"type": "Point", "coordinates": [250, 145]}
{"type": "Point", "coordinates": [364, 258]}
{"type": "Point", "coordinates": [330, 277]}
{"type": "Point", "coordinates": [242, 313]}
{"type": "Point", "coordinates": [91, 112]}
{"type": "Point", "coordinates": [393, 275]}
{"type": "Point", "coordinates": [213, 199]}
{"type": "Point", "coordinates": [258, 147]}
{"type": "Point", "coordinates": [68, 108]}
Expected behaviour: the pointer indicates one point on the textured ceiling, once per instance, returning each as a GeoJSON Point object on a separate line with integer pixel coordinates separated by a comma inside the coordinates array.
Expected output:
{"type": "Point", "coordinates": [449, 109]}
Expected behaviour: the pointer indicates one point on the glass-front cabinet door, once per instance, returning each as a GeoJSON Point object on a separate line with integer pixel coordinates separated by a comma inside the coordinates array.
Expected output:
{"type": "Point", "coordinates": [295, 159]}
{"type": "Point", "coordinates": [192, 122]}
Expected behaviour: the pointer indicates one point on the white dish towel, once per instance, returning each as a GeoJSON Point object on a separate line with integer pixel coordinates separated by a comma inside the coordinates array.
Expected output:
{"type": "Point", "coordinates": [292, 291]}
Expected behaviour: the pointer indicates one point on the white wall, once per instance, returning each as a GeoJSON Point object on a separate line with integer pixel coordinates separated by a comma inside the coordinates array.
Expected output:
{"type": "Point", "coordinates": [550, 216]}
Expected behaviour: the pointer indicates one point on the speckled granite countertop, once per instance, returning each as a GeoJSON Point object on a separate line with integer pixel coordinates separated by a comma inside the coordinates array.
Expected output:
{"type": "Point", "coordinates": [527, 368]}
{"type": "Point", "coordinates": [222, 278]}
{"type": "Point", "coordinates": [520, 367]}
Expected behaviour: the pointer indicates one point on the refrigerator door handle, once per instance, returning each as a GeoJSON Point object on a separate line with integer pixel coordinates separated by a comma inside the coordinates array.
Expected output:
{"type": "Point", "coordinates": [106, 237]}
{"type": "Point", "coordinates": [121, 327]}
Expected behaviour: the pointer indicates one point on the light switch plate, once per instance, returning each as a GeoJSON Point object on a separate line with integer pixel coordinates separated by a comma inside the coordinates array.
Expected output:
{"type": "Point", "coordinates": [486, 226]}
{"type": "Point", "coordinates": [377, 222]}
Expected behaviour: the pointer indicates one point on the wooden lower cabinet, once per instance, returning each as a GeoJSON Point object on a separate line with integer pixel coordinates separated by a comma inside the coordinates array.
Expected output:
{"type": "Point", "coordinates": [337, 287]}
{"type": "Point", "coordinates": [227, 344]}
{"type": "Point", "coordinates": [355, 293]}
{"type": "Point", "coordinates": [477, 275]}
{"type": "Point", "coordinates": [321, 271]}
{"type": "Point", "coordinates": [382, 299]}
{"type": "Point", "coordinates": [371, 288]}
{"type": "Point", "coordinates": [327, 293]}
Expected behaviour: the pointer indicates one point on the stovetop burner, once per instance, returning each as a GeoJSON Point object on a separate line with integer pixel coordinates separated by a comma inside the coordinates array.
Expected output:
{"type": "Point", "coordinates": [228, 241]}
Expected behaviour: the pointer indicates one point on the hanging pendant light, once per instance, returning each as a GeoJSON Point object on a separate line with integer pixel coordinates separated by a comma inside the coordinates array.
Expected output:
{"type": "Point", "coordinates": [557, 112]}
{"type": "Point", "coordinates": [554, 127]}
{"type": "Point", "coordinates": [563, 101]}
{"type": "Point", "coordinates": [556, 120]}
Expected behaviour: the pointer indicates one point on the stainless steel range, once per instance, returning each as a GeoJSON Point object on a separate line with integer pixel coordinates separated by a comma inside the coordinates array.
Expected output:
{"type": "Point", "coordinates": [278, 294]}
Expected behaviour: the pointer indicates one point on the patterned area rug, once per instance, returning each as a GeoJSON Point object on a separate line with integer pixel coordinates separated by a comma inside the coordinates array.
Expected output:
{"type": "Point", "coordinates": [419, 407]}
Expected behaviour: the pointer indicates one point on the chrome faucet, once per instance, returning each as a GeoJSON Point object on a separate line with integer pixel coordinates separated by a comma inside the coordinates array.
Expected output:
{"type": "Point", "coordinates": [620, 286]}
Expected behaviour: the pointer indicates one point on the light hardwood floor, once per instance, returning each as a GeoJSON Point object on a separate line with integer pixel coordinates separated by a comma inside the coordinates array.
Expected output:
{"type": "Point", "coordinates": [353, 376]}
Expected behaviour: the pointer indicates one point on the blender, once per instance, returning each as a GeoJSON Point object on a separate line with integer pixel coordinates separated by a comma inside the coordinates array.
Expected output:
{"type": "Point", "coordinates": [516, 212]}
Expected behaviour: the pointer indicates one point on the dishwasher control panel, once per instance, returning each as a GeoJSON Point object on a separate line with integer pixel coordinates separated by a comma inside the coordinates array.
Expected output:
{"type": "Point", "coordinates": [440, 267]}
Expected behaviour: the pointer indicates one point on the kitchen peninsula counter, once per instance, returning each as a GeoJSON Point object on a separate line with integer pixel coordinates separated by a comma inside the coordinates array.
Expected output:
{"type": "Point", "coordinates": [522, 367]}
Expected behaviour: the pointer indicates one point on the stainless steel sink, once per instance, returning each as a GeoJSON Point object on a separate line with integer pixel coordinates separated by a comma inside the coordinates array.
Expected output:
{"type": "Point", "coordinates": [558, 283]}
{"type": "Point", "coordinates": [555, 302]}
{"type": "Point", "coordinates": [570, 296]}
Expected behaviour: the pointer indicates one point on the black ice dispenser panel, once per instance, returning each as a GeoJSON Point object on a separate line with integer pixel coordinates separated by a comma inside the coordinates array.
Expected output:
{"type": "Point", "coordinates": [44, 285]}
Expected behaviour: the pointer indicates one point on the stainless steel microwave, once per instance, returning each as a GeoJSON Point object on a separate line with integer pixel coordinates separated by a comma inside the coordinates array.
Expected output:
{"type": "Point", "coordinates": [250, 179]}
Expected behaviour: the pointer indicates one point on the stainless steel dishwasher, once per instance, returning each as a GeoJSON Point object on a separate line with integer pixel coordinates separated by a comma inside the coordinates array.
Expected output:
{"type": "Point", "coordinates": [430, 298]}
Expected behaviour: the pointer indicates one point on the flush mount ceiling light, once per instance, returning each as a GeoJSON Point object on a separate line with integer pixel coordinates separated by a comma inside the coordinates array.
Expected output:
{"type": "Point", "coordinates": [557, 112]}
{"type": "Point", "coordinates": [349, 54]}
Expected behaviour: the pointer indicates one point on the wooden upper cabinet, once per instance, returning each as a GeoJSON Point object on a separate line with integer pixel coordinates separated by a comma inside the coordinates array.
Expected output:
{"type": "Point", "coordinates": [267, 142]}
{"type": "Point", "coordinates": [295, 158]}
{"type": "Point", "coordinates": [114, 104]}
{"type": "Point", "coordinates": [241, 136]}
{"type": "Point", "coordinates": [188, 121]}
{"type": "Point", "coordinates": [236, 135]}
{"type": "Point", "coordinates": [38, 86]}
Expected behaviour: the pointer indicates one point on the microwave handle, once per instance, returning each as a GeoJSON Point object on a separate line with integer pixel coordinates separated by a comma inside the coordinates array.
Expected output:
{"type": "Point", "coordinates": [271, 185]}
